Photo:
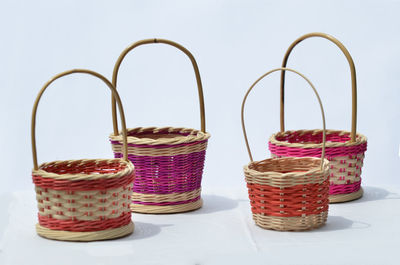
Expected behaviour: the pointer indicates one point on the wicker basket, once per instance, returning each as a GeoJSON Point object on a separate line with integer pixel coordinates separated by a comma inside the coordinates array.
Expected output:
{"type": "Point", "coordinates": [168, 161]}
{"type": "Point", "coordinates": [85, 199]}
{"type": "Point", "coordinates": [288, 194]}
{"type": "Point", "coordinates": [345, 150]}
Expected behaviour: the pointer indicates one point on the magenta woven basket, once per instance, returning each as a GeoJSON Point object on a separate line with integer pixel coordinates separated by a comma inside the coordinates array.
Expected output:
{"type": "Point", "coordinates": [168, 161]}
{"type": "Point", "coordinates": [345, 150]}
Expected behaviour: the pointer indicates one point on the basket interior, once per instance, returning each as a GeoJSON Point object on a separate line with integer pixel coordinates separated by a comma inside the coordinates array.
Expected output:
{"type": "Point", "coordinates": [87, 167]}
{"type": "Point", "coordinates": [286, 165]}
{"type": "Point", "coordinates": [312, 137]}
{"type": "Point", "coordinates": [157, 135]}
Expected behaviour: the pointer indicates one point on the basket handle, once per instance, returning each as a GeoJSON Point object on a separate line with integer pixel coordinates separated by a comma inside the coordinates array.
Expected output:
{"type": "Point", "coordinates": [353, 79]}
{"type": "Point", "coordinates": [282, 69]}
{"type": "Point", "coordinates": [83, 71]}
{"type": "Point", "coordinates": [176, 45]}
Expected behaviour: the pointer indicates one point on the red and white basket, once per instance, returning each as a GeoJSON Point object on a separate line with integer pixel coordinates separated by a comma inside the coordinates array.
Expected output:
{"type": "Point", "coordinates": [84, 199]}
{"type": "Point", "coordinates": [345, 150]}
{"type": "Point", "coordinates": [288, 193]}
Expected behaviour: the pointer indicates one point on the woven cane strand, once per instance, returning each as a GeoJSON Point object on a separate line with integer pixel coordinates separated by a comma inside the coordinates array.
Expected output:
{"type": "Point", "coordinates": [85, 236]}
{"type": "Point", "coordinates": [179, 208]}
{"type": "Point", "coordinates": [291, 223]}
{"type": "Point", "coordinates": [165, 198]}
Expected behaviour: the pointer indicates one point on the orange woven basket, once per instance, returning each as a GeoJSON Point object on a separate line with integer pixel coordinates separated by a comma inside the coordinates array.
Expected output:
{"type": "Point", "coordinates": [85, 199]}
{"type": "Point", "coordinates": [291, 193]}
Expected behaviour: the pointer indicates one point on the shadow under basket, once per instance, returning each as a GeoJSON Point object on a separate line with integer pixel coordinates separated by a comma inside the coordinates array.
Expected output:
{"type": "Point", "coordinates": [345, 157]}
{"type": "Point", "coordinates": [84, 200]}
{"type": "Point", "coordinates": [288, 194]}
{"type": "Point", "coordinates": [169, 166]}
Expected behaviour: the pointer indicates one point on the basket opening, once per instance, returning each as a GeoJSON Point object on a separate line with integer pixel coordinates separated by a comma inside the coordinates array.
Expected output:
{"type": "Point", "coordinates": [312, 137]}
{"type": "Point", "coordinates": [157, 135]}
{"type": "Point", "coordinates": [90, 167]}
{"type": "Point", "coordinates": [286, 165]}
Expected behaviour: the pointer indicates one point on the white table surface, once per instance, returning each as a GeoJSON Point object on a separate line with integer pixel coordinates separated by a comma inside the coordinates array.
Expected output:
{"type": "Point", "coordinates": [365, 231]}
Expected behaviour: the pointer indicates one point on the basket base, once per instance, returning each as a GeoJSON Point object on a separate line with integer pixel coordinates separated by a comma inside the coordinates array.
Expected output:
{"type": "Point", "coordinates": [155, 209]}
{"type": "Point", "coordinates": [85, 236]}
{"type": "Point", "coordinates": [346, 197]}
{"type": "Point", "coordinates": [299, 223]}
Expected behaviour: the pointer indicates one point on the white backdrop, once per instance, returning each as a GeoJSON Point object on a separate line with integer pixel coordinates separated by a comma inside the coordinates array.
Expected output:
{"type": "Point", "coordinates": [234, 42]}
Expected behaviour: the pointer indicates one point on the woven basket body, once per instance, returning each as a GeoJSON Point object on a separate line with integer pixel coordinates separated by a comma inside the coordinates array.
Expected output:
{"type": "Point", "coordinates": [168, 161]}
{"type": "Point", "coordinates": [169, 166]}
{"type": "Point", "coordinates": [345, 157]}
{"type": "Point", "coordinates": [288, 194]}
{"type": "Point", "coordinates": [85, 199]}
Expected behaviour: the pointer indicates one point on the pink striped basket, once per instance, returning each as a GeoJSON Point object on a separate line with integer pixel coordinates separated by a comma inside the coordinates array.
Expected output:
{"type": "Point", "coordinates": [345, 150]}
{"type": "Point", "coordinates": [168, 161]}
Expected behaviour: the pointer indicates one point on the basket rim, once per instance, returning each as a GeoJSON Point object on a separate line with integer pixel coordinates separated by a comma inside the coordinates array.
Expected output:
{"type": "Point", "coordinates": [127, 170]}
{"type": "Point", "coordinates": [313, 170]}
{"type": "Point", "coordinates": [360, 139]}
{"type": "Point", "coordinates": [194, 136]}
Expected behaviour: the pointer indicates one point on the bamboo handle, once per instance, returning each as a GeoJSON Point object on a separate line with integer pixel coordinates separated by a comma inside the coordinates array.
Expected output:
{"type": "Point", "coordinates": [353, 79]}
{"type": "Point", "coordinates": [83, 71]}
{"type": "Point", "coordinates": [282, 69]}
{"type": "Point", "coordinates": [176, 45]}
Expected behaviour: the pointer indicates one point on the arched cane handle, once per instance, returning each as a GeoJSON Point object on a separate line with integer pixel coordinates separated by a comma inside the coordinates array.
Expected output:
{"type": "Point", "coordinates": [83, 71]}
{"type": "Point", "coordinates": [316, 94]}
{"type": "Point", "coordinates": [176, 45]}
{"type": "Point", "coordinates": [353, 79]}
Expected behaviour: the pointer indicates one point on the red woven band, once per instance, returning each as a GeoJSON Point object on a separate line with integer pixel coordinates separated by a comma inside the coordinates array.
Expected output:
{"type": "Point", "coordinates": [84, 226]}
{"type": "Point", "coordinates": [98, 184]}
{"type": "Point", "coordinates": [291, 201]}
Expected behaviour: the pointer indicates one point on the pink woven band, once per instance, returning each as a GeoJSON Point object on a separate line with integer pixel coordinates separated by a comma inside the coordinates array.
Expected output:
{"type": "Point", "coordinates": [279, 150]}
{"type": "Point", "coordinates": [159, 146]}
{"type": "Point", "coordinates": [335, 189]}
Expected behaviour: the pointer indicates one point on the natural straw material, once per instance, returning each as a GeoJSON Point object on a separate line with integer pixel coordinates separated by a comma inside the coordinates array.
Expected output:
{"type": "Point", "coordinates": [288, 194]}
{"type": "Point", "coordinates": [169, 161]}
{"type": "Point", "coordinates": [85, 199]}
{"type": "Point", "coordinates": [345, 150]}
